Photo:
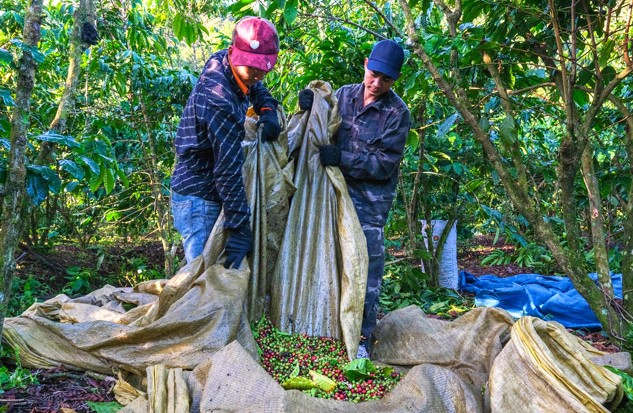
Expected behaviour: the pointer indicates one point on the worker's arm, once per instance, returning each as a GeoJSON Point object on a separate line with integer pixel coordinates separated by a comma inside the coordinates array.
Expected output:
{"type": "Point", "coordinates": [383, 152]}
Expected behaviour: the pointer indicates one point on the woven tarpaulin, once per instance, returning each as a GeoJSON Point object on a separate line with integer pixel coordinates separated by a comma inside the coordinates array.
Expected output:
{"type": "Point", "coordinates": [321, 273]}
{"type": "Point", "coordinates": [481, 362]}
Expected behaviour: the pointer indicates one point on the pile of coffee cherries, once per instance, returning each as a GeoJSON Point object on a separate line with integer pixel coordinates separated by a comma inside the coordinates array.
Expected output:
{"type": "Point", "coordinates": [320, 366]}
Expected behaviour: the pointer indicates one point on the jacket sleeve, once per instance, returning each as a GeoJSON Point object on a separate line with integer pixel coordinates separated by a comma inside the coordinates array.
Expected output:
{"type": "Point", "coordinates": [226, 132]}
{"type": "Point", "coordinates": [260, 98]}
{"type": "Point", "coordinates": [384, 154]}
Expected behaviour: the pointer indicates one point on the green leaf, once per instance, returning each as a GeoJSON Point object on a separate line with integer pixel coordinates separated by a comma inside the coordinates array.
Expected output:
{"type": "Point", "coordinates": [295, 371]}
{"type": "Point", "coordinates": [447, 125]}
{"type": "Point", "coordinates": [474, 185]}
{"type": "Point", "coordinates": [178, 26]}
{"type": "Point", "coordinates": [436, 307]}
{"type": "Point", "coordinates": [359, 369]}
{"type": "Point", "coordinates": [507, 130]}
{"type": "Point", "coordinates": [606, 52]}
{"type": "Point", "coordinates": [5, 95]}
{"type": "Point", "coordinates": [54, 183]}
{"type": "Point", "coordinates": [239, 6]}
{"type": "Point", "coordinates": [608, 73]}
{"type": "Point", "coordinates": [184, 29]}
{"type": "Point", "coordinates": [323, 382]}
{"type": "Point", "coordinates": [413, 139]}
{"type": "Point", "coordinates": [290, 11]}
{"type": "Point", "coordinates": [71, 186]}
{"type": "Point", "coordinates": [52, 179]}
{"type": "Point", "coordinates": [108, 178]}
{"type": "Point", "coordinates": [6, 57]}
{"type": "Point", "coordinates": [95, 181]}
{"type": "Point", "coordinates": [72, 168]}
{"type": "Point", "coordinates": [411, 80]}
{"type": "Point", "coordinates": [33, 51]}
{"type": "Point", "coordinates": [37, 55]}
{"type": "Point", "coordinates": [627, 381]}
{"type": "Point", "coordinates": [36, 188]}
{"type": "Point", "coordinates": [581, 97]}
{"type": "Point", "coordinates": [584, 77]}
{"type": "Point", "coordinates": [104, 407]}
{"type": "Point", "coordinates": [122, 177]}
{"type": "Point", "coordinates": [94, 166]}
{"type": "Point", "coordinates": [299, 383]}
{"type": "Point", "coordinates": [68, 141]}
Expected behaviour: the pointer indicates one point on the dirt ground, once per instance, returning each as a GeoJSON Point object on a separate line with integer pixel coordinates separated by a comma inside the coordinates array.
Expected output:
{"type": "Point", "coordinates": [60, 390]}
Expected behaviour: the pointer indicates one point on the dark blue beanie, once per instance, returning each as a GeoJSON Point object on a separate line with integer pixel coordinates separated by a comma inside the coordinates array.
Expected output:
{"type": "Point", "coordinates": [386, 57]}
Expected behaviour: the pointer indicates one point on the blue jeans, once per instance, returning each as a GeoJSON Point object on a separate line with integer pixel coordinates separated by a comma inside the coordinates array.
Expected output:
{"type": "Point", "coordinates": [194, 218]}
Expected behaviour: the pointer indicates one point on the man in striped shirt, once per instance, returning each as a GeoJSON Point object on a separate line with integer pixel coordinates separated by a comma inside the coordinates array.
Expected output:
{"type": "Point", "coordinates": [207, 176]}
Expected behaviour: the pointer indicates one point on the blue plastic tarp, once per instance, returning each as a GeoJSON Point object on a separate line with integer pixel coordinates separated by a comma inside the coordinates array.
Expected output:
{"type": "Point", "coordinates": [548, 297]}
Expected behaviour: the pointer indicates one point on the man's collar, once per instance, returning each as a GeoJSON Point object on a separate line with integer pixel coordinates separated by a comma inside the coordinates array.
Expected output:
{"type": "Point", "coordinates": [239, 82]}
{"type": "Point", "coordinates": [230, 74]}
{"type": "Point", "coordinates": [379, 103]}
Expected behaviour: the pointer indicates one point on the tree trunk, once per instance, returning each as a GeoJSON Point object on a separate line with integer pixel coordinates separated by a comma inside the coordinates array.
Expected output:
{"type": "Point", "coordinates": [596, 219]}
{"type": "Point", "coordinates": [161, 204]}
{"type": "Point", "coordinates": [627, 250]}
{"type": "Point", "coordinates": [569, 256]}
{"type": "Point", "coordinates": [412, 203]}
{"type": "Point", "coordinates": [13, 209]}
{"type": "Point", "coordinates": [84, 14]}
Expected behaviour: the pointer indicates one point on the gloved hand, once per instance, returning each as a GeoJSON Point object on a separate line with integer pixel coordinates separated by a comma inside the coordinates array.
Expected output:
{"type": "Point", "coordinates": [269, 124]}
{"type": "Point", "coordinates": [306, 99]}
{"type": "Point", "coordinates": [238, 244]}
{"type": "Point", "coordinates": [330, 155]}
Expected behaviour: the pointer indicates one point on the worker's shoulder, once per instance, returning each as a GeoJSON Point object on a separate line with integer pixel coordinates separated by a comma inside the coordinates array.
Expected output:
{"type": "Point", "coordinates": [397, 102]}
{"type": "Point", "coordinates": [215, 78]}
{"type": "Point", "coordinates": [351, 89]}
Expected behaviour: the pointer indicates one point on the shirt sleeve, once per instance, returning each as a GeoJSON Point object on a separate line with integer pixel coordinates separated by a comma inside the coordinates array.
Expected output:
{"type": "Point", "coordinates": [384, 155]}
{"type": "Point", "coordinates": [260, 98]}
{"type": "Point", "coordinates": [226, 132]}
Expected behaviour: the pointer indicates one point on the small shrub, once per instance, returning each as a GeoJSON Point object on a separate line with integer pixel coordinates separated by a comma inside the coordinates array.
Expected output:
{"type": "Point", "coordinates": [404, 284]}
{"type": "Point", "coordinates": [136, 271]}
{"type": "Point", "coordinates": [497, 257]}
{"type": "Point", "coordinates": [25, 291]}
{"type": "Point", "coordinates": [80, 281]}
{"type": "Point", "coordinates": [19, 377]}
{"type": "Point", "coordinates": [530, 255]}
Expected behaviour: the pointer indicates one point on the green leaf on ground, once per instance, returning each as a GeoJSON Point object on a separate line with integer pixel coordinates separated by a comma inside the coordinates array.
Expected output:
{"type": "Point", "coordinates": [104, 407]}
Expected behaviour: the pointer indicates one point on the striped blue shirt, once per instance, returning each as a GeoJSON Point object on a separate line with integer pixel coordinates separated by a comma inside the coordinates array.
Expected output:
{"type": "Point", "coordinates": [208, 142]}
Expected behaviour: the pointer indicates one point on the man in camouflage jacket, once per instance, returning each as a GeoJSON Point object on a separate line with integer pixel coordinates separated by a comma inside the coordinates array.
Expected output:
{"type": "Point", "coordinates": [368, 149]}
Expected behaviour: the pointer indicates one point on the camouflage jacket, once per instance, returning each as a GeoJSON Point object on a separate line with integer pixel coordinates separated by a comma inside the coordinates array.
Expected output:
{"type": "Point", "coordinates": [371, 140]}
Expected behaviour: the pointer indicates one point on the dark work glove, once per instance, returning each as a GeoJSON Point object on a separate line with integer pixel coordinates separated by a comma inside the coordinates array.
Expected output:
{"type": "Point", "coordinates": [269, 124]}
{"type": "Point", "coordinates": [306, 98]}
{"type": "Point", "coordinates": [330, 155]}
{"type": "Point", "coordinates": [238, 244]}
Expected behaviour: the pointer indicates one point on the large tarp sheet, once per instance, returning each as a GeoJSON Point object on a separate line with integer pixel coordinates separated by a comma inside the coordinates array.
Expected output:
{"type": "Point", "coordinates": [318, 285]}
{"type": "Point", "coordinates": [551, 298]}
{"type": "Point", "coordinates": [482, 362]}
